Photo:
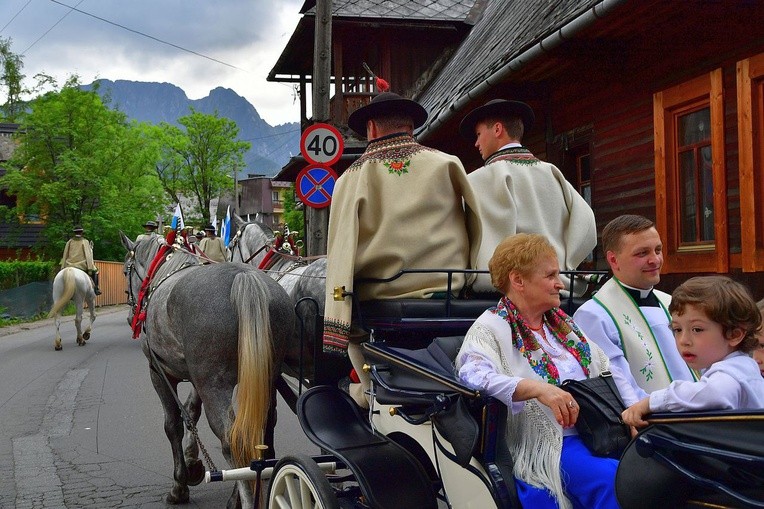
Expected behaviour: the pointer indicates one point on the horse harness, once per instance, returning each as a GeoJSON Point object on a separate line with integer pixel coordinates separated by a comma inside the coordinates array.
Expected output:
{"type": "Point", "coordinates": [143, 299]}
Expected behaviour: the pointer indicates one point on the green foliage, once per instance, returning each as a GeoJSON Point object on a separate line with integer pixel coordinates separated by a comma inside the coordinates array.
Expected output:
{"type": "Point", "coordinates": [198, 160]}
{"type": "Point", "coordinates": [78, 162]}
{"type": "Point", "coordinates": [293, 216]}
{"type": "Point", "coordinates": [11, 82]}
{"type": "Point", "coordinates": [18, 273]}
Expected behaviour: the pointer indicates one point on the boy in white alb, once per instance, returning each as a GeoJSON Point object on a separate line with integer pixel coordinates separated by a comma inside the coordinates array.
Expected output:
{"type": "Point", "coordinates": [714, 321]}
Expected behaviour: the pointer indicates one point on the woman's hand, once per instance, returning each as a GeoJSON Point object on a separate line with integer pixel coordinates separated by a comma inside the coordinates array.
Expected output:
{"type": "Point", "coordinates": [634, 415]}
{"type": "Point", "coordinates": [562, 404]}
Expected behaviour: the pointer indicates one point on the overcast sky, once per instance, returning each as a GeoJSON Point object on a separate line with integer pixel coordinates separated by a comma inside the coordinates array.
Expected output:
{"type": "Point", "coordinates": [246, 35]}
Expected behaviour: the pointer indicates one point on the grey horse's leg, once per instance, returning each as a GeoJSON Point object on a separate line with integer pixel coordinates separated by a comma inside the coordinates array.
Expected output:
{"type": "Point", "coordinates": [78, 320]}
{"type": "Point", "coordinates": [91, 309]}
{"type": "Point", "coordinates": [217, 402]}
{"type": "Point", "coordinates": [57, 343]}
{"type": "Point", "coordinates": [173, 428]}
{"type": "Point", "coordinates": [195, 467]}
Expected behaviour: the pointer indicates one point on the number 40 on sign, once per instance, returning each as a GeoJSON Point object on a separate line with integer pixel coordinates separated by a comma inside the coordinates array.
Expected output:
{"type": "Point", "coordinates": [321, 144]}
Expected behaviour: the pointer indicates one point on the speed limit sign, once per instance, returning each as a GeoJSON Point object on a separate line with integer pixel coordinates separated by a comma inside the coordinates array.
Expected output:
{"type": "Point", "coordinates": [321, 144]}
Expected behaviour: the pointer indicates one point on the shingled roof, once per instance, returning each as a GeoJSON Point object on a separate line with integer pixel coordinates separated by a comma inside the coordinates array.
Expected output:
{"type": "Point", "coordinates": [501, 35]}
{"type": "Point", "coordinates": [453, 10]}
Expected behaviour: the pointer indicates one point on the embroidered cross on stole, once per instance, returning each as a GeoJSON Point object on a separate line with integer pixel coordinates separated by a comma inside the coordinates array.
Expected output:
{"type": "Point", "coordinates": [638, 342]}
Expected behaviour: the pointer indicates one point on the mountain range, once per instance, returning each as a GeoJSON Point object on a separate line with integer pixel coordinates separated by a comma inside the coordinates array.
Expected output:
{"type": "Point", "coordinates": [271, 148]}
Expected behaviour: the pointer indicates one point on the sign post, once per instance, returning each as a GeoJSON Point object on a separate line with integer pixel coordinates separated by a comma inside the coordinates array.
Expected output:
{"type": "Point", "coordinates": [322, 146]}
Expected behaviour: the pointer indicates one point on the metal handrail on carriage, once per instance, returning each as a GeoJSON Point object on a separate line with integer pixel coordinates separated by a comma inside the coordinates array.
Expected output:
{"type": "Point", "coordinates": [416, 402]}
{"type": "Point", "coordinates": [449, 313]}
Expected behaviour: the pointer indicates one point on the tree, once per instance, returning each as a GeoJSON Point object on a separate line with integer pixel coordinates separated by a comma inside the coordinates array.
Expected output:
{"type": "Point", "coordinates": [293, 216]}
{"type": "Point", "coordinates": [78, 162]}
{"type": "Point", "coordinates": [198, 160]}
{"type": "Point", "coordinates": [11, 81]}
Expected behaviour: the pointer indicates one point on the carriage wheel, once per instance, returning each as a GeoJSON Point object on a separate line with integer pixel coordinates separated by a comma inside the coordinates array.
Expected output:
{"type": "Point", "coordinates": [298, 483]}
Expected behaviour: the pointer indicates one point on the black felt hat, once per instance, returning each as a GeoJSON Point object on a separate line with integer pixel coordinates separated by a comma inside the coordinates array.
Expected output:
{"type": "Point", "coordinates": [384, 104]}
{"type": "Point", "coordinates": [78, 228]}
{"type": "Point", "coordinates": [150, 224]}
{"type": "Point", "coordinates": [496, 108]}
{"type": "Point", "coordinates": [209, 228]}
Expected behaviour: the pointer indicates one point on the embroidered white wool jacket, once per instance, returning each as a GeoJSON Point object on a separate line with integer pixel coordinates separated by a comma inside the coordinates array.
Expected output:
{"type": "Point", "coordinates": [401, 205]}
{"type": "Point", "coordinates": [522, 194]}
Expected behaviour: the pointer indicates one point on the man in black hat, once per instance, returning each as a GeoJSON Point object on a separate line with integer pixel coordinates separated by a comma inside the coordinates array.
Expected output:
{"type": "Point", "coordinates": [149, 230]}
{"type": "Point", "coordinates": [520, 193]}
{"type": "Point", "coordinates": [212, 246]}
{"type": "Point", "coordinates": [399, 206]}
{"type": "Point", "coordinates": [78, 253]}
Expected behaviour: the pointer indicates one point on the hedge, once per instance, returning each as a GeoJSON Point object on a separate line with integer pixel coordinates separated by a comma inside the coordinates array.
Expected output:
{"type": "Point", "coordinates": [18, 273]}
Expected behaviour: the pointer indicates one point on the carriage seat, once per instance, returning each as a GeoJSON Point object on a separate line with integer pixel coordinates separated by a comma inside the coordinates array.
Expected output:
{"type": "Point", "coordinates": [417, 381]}
{"type": "Point", "coordinates": [388, 475]}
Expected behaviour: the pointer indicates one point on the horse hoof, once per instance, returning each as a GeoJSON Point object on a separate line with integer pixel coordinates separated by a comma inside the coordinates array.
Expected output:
{"type": "Point", "coordinates": [58, 347]}
{"type": "Point", "coordinates": [86, 336]}
{"type": "Point", "coordinates": [195, 473]}
{"type": "Point", "coordinates": [177, 495]}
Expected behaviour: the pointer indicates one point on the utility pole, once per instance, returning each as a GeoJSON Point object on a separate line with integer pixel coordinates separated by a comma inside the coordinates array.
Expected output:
{"type": "Point", "coordinates": [317, 220]}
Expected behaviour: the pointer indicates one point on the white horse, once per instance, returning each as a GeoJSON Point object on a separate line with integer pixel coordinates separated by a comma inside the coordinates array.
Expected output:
{"type": "Point", "coordinates": [72, 283]}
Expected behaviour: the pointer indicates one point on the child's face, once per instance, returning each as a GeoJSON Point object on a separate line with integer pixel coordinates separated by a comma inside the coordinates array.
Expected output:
{"type": "Point", "coordinates": [758, 354]}
{"type": "Point", "coordinates": [699, 339]}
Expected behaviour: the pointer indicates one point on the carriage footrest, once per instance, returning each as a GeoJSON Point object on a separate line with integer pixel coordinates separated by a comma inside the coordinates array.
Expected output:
{"type": "Point", "coordinates": [388, 475]}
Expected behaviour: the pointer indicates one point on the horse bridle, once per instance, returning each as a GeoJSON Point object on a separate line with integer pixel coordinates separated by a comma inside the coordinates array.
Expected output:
{"type": "Point", "coordinates": [130, 269]}
{"type": "Point", "coordinates": [237, 246]}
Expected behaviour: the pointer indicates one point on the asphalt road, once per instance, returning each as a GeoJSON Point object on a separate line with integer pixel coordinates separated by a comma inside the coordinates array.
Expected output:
{"type": "Point", "coordinates": [83, 427]}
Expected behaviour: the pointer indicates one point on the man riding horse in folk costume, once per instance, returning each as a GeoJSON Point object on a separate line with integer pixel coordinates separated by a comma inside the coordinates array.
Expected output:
{"type": "Point", "coordinates": [78, 253]}
{"type": "Point", "coordinates": [382, 204]}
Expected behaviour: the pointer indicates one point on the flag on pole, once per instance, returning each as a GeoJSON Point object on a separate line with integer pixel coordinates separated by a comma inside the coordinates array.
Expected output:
{"type": "Point", "coordinates": [225, 228]}
{"type": "Point", "coordinates": [215, 224]}
{"type": "Point", "coordinates": [177, 218]}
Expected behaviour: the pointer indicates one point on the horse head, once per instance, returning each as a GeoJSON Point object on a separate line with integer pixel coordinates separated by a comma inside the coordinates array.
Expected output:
{"type": "Point", "coordinates": [251, 242]}
{"type": "Point", "coordinates": [137, 259]}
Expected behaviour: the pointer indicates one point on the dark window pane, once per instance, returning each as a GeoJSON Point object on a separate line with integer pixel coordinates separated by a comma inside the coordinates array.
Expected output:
{"type": "Point", "coordinates": [585, 168]}
{"type": "Point", "coordinates": [695, 127]}
{"type": "Point", "coordinates": [687, 196]}
{"type": "Point", "coordinates": [707, 194]}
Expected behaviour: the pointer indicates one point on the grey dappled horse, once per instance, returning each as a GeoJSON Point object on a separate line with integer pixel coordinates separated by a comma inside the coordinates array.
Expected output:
{"type": "Point", "coordinates": [299, 278]}
{"type": "Point", "coordinates": [216, 326]}
{"type": "Point", "coordinates": [72, 283]}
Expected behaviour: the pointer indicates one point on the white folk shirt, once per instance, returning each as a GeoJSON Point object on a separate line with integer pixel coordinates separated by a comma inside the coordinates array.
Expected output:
{"type": "Point", "coordinates": [733, 383]}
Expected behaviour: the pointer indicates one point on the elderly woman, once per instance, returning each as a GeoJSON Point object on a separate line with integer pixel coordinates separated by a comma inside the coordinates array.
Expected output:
{"type": "Point", "coordinates": [519, 352]}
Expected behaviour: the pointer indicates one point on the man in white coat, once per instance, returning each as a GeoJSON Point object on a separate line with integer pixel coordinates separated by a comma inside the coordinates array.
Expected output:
{"type": "Point", "coordinates": [627, 317]}
{"type": "Point", "coordinates": [519, 193]}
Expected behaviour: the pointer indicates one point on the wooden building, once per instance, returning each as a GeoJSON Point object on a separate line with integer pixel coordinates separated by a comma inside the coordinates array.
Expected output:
{"type": "Point", "coordinates": [17, 239]}
{"type": "Point", "coordinates": [654, 107]}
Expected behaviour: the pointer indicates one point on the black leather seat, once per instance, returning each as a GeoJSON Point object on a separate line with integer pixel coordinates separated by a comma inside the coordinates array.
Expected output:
{"type": "Point", "coordinates": [388, 475]}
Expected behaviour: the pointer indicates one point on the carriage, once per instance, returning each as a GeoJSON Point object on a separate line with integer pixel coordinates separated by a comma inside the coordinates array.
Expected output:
{"type": "Point", "coordinates": [428, 440]}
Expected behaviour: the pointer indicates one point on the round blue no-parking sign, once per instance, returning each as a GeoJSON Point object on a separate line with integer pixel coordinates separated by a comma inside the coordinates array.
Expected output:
{"type": "Point", "coordinates": [315, 184]}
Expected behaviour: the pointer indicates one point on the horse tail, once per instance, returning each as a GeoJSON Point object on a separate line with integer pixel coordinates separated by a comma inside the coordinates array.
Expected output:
{"type": "Point", "coordinates": [70, 285]}
{"type": "Point", "coordinates": [253, 397]}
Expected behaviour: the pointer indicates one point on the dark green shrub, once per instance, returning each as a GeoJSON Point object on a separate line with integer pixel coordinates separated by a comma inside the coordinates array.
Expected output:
{"type": "Point", "coordinates": [18, 273]}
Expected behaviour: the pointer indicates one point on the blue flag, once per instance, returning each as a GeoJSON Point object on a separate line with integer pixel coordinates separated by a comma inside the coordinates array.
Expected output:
{"type": "Point", "coordinates": [177, 218]}
{"type": "Point", "coordinates": [225, 229]}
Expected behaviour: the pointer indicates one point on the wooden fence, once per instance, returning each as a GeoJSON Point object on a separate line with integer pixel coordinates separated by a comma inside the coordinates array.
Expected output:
{"type": "Point", "coordinates": [112, 282]}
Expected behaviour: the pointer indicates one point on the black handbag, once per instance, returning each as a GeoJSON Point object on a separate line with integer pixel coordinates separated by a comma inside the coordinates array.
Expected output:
{"type": "Point", "coordinates": [599, 421]}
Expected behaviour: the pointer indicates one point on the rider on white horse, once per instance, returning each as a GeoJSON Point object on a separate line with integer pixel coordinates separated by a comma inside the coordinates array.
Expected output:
{"type": "Point", "coordinates": [78, 253]}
